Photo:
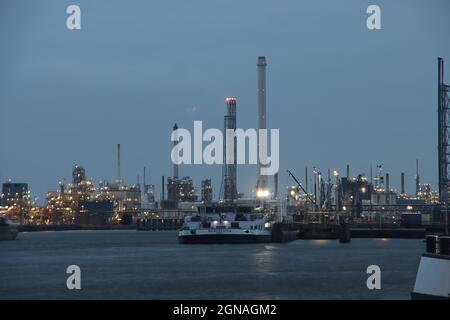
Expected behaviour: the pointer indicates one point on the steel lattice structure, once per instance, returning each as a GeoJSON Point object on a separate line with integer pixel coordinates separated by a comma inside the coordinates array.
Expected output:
{"type": "Point", "coordinates": [443, 134]}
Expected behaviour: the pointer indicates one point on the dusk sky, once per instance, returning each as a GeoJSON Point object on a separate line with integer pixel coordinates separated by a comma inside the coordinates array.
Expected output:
{"type": "Point", "coordinates": [338, 92]}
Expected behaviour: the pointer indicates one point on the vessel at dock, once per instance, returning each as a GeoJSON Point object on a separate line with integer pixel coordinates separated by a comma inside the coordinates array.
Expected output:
{"type": "Point", "coordinates": [433, 276]}
{"type": "Point", "coordinates": [8, 230]}
{"type": "Point", "coordinates": [223, 224]}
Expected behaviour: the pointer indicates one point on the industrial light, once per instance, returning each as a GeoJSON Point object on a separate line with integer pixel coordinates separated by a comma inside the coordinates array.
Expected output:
{"type": "Point", "coordinates": [262, 193]}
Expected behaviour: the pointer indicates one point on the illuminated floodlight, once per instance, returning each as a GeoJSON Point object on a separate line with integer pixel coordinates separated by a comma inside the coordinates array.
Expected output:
{"type": "Point", "coordinates": [262, 193]}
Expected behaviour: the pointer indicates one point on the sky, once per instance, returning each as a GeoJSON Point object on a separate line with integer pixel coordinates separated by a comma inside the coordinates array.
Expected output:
{"type": "Point", "coordinates": [338, 92]}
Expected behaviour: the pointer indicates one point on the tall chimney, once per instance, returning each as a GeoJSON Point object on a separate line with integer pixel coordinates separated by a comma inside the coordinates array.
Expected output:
{"type": "Point", "coordinates": [145, 182]}
{"type": "Point", "coordinates": [275, 183]}
{"type": "Point", "coordinates": [388, 200]}
{"type": "Point", "coordinates": [144, 188]}
{"type": "Point", "coordinates": [371, 174]}
{"type": "Point", "coordinates": [417, 178]}
{"type": "Point", "coordinates": [119, 176]}
{"type": "Point", "coordinates": [229, 169]}
{"type": "Point", "coordinates": [348, 172]}
{"type": "Point", "coordinates": [402, 183]}
{"type": "Point", "coordinates": [175, 142]}
{"type": "Point", "coordinates": [306, 179]}
{"type": "Point", "coordinates": [162, 188]}
{"type": "Point", "coordinates": [262, 179]}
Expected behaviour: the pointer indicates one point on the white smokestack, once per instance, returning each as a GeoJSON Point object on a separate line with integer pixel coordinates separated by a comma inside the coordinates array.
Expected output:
{"type": "Point", "coordinates": [262, 179]}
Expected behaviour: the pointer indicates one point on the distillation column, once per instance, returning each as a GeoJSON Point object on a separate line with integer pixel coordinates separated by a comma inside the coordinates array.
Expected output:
{"type": "Point", "coordinates": [230, 152]}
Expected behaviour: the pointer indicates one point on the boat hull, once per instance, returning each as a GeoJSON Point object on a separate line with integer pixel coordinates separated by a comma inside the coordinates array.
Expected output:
{"type": "Point", "coordinates": [421, 296]}
{"type": "Point", "coordinates": [225, 238]}
{"type": "Point", "coordinates": [8, 233]}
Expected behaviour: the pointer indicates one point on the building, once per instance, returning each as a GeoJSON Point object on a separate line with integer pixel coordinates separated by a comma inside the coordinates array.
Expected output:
{"type": "Point", "coordinates": [207, 191]}
{"type": "Point", "coordinates": [149, 193]}
{"type": "Point", "coordinates": [383, 198]}
{"type": "Point", "coordinates": [94, 212]}
{"type": "Point", "coordinates": [14, 194]}
{"type": "Point", "coordinates": [62, 205]}
{"type": "Point", "coordinates": [180, 190]}
{"type": "Point", "coordinates": [354, 192]}
{"type": "Point", "coordinates": [126, 199]}
{"type": "Point", "coordinates": [15, 200]}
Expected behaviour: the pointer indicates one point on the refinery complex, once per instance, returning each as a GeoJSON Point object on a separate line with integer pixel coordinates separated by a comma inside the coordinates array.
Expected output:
{"type": "Point", "coordinates": [315, 195]}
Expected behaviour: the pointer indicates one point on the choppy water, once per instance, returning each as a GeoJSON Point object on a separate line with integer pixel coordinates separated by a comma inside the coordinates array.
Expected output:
{"type": "Point", "coordinates": [152, 265]}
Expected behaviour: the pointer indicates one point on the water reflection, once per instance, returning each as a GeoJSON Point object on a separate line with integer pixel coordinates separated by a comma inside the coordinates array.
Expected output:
{"type": "Point", "coordinates": [263, 259]}
{"type": "Point", "coordinates": [321, 242]}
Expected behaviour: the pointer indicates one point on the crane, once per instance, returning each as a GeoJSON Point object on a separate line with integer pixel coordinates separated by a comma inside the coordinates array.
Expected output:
{"type": "Point", "coordinates": [301, 187]}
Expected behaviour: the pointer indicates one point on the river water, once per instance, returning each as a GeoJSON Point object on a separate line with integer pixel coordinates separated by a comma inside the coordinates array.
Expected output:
{"type": "Point", "coordinates": [152, 265]}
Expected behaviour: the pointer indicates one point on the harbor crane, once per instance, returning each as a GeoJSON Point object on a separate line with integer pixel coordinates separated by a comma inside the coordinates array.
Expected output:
{"type": "Point", "coordinates": [301, 187]}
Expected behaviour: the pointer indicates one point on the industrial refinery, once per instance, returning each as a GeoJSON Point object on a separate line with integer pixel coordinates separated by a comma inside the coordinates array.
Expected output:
{"type": "Point", "coordinates": [317, 196]}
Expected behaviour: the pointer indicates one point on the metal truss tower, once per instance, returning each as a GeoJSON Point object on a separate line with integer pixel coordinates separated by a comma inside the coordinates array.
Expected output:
{"type": "Point", "coordinates": [443, 134]}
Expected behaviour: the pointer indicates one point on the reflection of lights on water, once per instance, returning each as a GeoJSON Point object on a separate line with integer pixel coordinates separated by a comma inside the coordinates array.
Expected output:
{"type": "Point", "coordinates": [383, 239]}
{"type": "Point", "coordinates": [321, 242]}
{"type": "Point", "coordinates": [263, 260]}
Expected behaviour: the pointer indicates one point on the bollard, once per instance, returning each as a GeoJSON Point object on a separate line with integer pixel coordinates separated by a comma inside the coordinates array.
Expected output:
{"type": "Point", "coordinates": [431, 244]}
{"type": "Point", "coordinates": [444, 245]}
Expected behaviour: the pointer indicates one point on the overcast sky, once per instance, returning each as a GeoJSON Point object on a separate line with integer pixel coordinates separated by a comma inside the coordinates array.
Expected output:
{"type": "Point", "coordinates": [338, 92]}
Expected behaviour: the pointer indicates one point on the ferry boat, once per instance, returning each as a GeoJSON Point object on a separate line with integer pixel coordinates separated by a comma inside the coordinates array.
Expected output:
{"type": "Point", "coordinates": [8, 230]}
{"type": "Point", "coordinates": [433, 276]}
{"type": "Point", "coordinates": [226, 225]}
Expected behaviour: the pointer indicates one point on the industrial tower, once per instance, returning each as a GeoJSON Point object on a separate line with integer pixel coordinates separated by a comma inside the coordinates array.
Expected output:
{"type": "Point", "coordinates": [261, 183]}
{"type": "Point", "coordinates": [443, 134]}
{"type": "Point", "coordinates": [230, 152]}
{"type": "Point", "coordinates": [175, 142]}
